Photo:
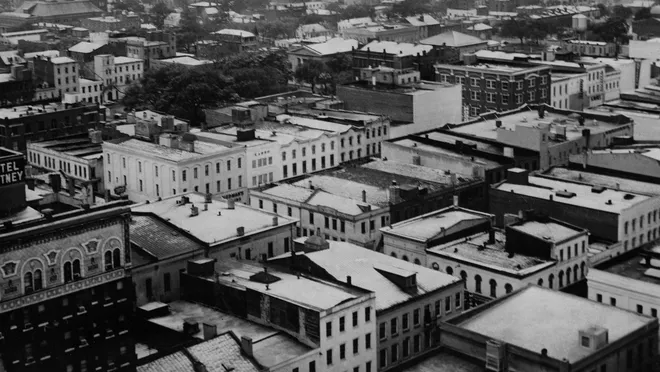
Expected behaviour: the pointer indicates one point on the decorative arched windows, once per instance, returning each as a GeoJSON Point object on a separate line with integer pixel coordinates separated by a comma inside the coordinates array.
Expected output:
{"type": "Point", "coordinates": [450, 271]}
{"type": "Point", "coordinates": [493, 288]}
{"type": "Point", "coordinates": [464, 277]}
{"type": "Point", "coordinates": [540, 282]}
{"type": "Point", "coordinates": [561, 279]}
{"type": "Point", "coordinates": [107, 258]}
{"type": "Point", "coordinates": [477, 283]}
{"type": "Point", "coordinates": [576, 270]}
{"type": "Point", "coordinates": [32, 276]}
{"type": "Point", "coordinates": [405, 258]}
{"type": "Point", "coordinates": [551, 280]}
{"type": "Point", "coordinates": [417, 261]}
{"type": "Point", "coordinates": [568, 276]}
{"type": "Point", "coordinates": [508, 288]}
{"type": "Point", "coordinates": [393, 254]}
{"type": "Point", "coordinates": [68, 272]}
{"type": "Point", "coordinates": [28, 286]}
{"type": "Point", "coordinates": [582, 269]}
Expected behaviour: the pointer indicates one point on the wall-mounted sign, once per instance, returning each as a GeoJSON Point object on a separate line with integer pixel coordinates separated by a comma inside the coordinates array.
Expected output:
{"type": "Point", "coordinates": [12, 171]}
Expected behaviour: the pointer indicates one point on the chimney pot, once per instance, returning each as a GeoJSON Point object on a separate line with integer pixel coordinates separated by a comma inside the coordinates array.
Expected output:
{"type": "Point", "coordinates": [246, 345]}
{"type": "Point", "coordinates": [349, 281]}
{"type": "Point", "coordinates": [210, 331]}
{"type": "Point", "coordinates": [364, 196]}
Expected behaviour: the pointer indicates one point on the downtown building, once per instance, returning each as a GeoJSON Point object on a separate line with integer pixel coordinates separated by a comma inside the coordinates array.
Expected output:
{"type": "Point", "coordinates": [66, 299]}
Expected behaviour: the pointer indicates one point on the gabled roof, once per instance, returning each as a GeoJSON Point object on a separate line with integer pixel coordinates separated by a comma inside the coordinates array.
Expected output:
{"type": "Point", "coordinates": [57, 8]}
{"type": "Point", "coordinates": [436, 224]}
{"type": "Point", "coordinates": [333, 46]}
{"type": "Point", "coordinates": [480, 27]}
{"type": "Point", "coordinates": [453, 39]}
{"type": "Point", "coordinates": [313, 27]}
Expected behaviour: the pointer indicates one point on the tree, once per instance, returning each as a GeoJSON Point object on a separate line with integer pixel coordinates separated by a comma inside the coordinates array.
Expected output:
{"type": "Point", "coordinates": [190, 31]}
{"type": "Point", "coordinates": [408, 8]}
{"type": "Point", "coordinates": [620, 11]}
{"type": "Point", "coordinates": [129, 5]}
{"type": "Point", "coordinates": [614, 30]}
{"type": "Point", "coordinates": [180, 91]}
{"type": "Point", "coordinates": [309, 72]}
{"type": "Point", "coordinates": [516, 28]}
{"type": "Point", "coordinates": [159, 12]}
{"type": "Point", "coordinates": [357, 11]}
{"type": "Point", "coordinates": [643, 13]}
{"type": "Point", "coordinates": [603, 10]}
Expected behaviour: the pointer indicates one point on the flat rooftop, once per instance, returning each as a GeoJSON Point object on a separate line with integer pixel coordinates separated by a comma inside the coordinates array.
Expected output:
{"type": "Point", "coordinates": [300, 290]}
{"type": "Point", "coordinates": [612, 182]}
{"type": "Point", "coordinates": [208, 226]}
{"type": "Point", "coordinates": [80, 147]}
{"type": "Point", "coordinates": [364, 266]}
{"type": "Point", "coordinates": [410, 89]}
{"type": "Point", "coordinates": [435, 224]}
{"type": "Point", "coordinates": [159, 240]}
{"type": "Point", "coordinates": [270, 347]}
{"type": "Point", "coordinates": [536, 318]}
{"type": "Point", "coordinates": [548, 230]}
{"type": "Point", "coordinates": [411, 143]}
{"type": "Point", "coordinates": [300, 192]}
{"type": "Point", "coordinates": [411, 174]}
{"type": "Point", "coordinates": [646, 123]}
{"type": "Point", "coordinates": [636, 268]}
{"type": "Point", "coordinates": [609, 200]}
{"type": "Point", "coordinates": [477, 251]}
{"type": "Point", "coordinates": [317, 124]}
{"type": "Point", "coordinates": [20, 111]}
{"type": "Point", "coordinates": [530, 118]}
{"type": "Point", "coordinates": [228, 136]}
{"type": "Point", "coordinates": [201, 148]}
{"type": "Point", "coordinates": [446, 361]}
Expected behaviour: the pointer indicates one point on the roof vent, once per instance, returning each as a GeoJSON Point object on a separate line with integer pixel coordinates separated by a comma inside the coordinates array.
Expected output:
{"type": "Point", "coordinates": [609, 202]}
{"type": "Point", "coordinates": [240, 231]}
{"type": "Point", "coordinates": [597, 189]}
{"type": "Point", "coordinates": [565, 194]}
{"type": "Point", "coordinates": [629, 196]}
{"type": "Point", "coordinates": [593, 338]}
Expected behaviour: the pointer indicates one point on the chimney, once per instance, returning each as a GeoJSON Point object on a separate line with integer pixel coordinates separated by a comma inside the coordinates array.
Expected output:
{"type": "Point", "coordinates": [364, 196]}
{"type": "Point", "coordinates": [311, 186]}
{"type": "Point", "coordinates": [498, 123]}
{"type": "Point", "coordinates": [240, 231]}
{"type": "Point", "coordinates": [581, 120]}
{"type": "Point", "coordinates": [541, 112]}
{"type": "Point", "coordinates": [275, 222]}
{"type": "Point", "coordinates": [394, 193]}
{"type": "Point", "coordinates": [491, 236]}
{"type": "Point", "coordinates": [30, 183]}
{"type": "Point", "coordinates": [246, 345]}
{"type": "Point", "coordinates": [349, 281]}
{"type": "Point", "coordinates": [55, 182]}
{"type": "Point", "coordinates": [208, 197]}
{"type": "Point", "coordinates": [455, 201]}
{"type": "Point", "coordinates": [230, 204]}
{"type": "Point", "coordinates": [210, 331]}
{"type": "Point", "coordinates": [71, 186]}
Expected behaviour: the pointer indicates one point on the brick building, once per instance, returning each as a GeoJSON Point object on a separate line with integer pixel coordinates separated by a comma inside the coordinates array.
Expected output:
{"type": "Point", "coordinates": [67, 298]}
{"type": "Point", "coordinates": [402, 56]}
{"type": "Point", "coordinates": [27, 123]}
{"type": "Point", "coordinates": [156, 45]}
{"type": "Point", "coordinates": [17, 86]}
{"type": "Point", "coordinates": [122, 22]}
{"type": "Point", "coordinates": [497, 87]}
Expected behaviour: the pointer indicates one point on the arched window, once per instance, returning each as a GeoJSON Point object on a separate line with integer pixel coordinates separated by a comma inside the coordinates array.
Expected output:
{"type": "Point", "coordinates": [393, 254]}
{"type": "Point", "coordinates": [116, 258]}
{"type": "Point", "coordinates": [417, 261]}
{"type": "Point", "coordinates": [27, 283]}
{"type": "Point", "coordinates": [582, 267]}
{"type": "Point", "coordinates": [477, 283]}
{"type": "Point", "coordinates": [493, 288]}
{"type": "Point", "coordinates": [551, 280]}
{"type": "Point", "coordinates": [76, 270]}
{"type": "Point", "coordinates": [508, 288]}
{"type": "Point", "coordinates": [68, 272]}
{"type": "Point", "coordinates": [464, 277]}
{"type": "Point", "coordinates": [405, 258]}
{"type": "Point", "coordinates": [575, 273]}
{"type": "Point", "coordinates": [540, 282]}
{"type": "Point", "coordinates": [38, 281]}
{"type": "Point", "coordinates": [450, 271]}
{"type": "Point", "coordinates": [108, 260]}
{"type": "Point", "coordinates": [561, 279]}
{"type": "Point", "coordinates": [568, 276]}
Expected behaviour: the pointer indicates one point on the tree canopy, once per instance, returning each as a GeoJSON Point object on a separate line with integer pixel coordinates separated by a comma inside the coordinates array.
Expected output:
{"type": "Point", "coordinates": [130, 5]}
{"type": "Point", "coordinates": [523, 27]}
{"type": "Point", "coordinates": [613, 30]}
{"type": "Point", "coordinates": [159, 12]}
{"type": "Point", "coordinates": [186, 92]}
{"type": "Point", "coordinates": [408, 8]}
{"type": "Point", "coordinates": [643, 13]}
{"type": "Point", "coordinates": [620, 11]}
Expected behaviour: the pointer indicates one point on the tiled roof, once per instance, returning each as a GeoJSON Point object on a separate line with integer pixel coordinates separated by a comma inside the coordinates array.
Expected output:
{"type": "Point", "coordinates": [57, 8]}
{"type": "Point", "coordinates": [345, 259]}
{"type": "Point", "coordinates": [222, 354]}
{"type": "Point", "coordinates": [177, 362]}
{"type": "Point", "coordinates": [159, 239]}
{"type": "Point", "coordinates": [453, 39]}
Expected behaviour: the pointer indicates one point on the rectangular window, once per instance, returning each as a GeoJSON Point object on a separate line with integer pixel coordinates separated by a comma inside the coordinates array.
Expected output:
{"type": "Point", "coordinates": [342, 351]}
{"type": "Point", "coordinates": [505, 85]}
{"type": "Point", "coordinates": [640, 309]}
{"type": "Point", "coordinates": [367, 314]}
{"type": "Point", "coordinates": [416, 343]}
{"type": "Point", "coordinates": [328, 329]}
{"type": "Point", "coordinates": [342, 324]}
{"type": "Point", "coordinates": [367, 341]}
{"type": "Point", "coordinates": [490, 84]}
{"type": "Point", "coordinates": [612, 301]}
{"type": "Point", "coordinates": [406, 347]}
{"type": "Point", "coordinates": [448, 304]}
{"type": "Point", "coordinates": [405, 322]}
{"type": "Point", "coordinates": [395, 353]}
{"type": "Point", "coordinates": [311, 218]}
{"type": "Point", "coordinates": [368, 367]}
{"type": "Point", "coordinates": [355, 319]}
{"type": "Point", "coordinates": [364, 227]}
{"type": "Point", "coordinates": [356, 345]}
{"type": "Point", "coordinates": [326, 222]}
{"type": "Point", "coordinates": [394, 326]}
{"type": "Point", "coordinates": [342, 226]}
{"type": "Point", "coordinates": [416, 317]}
{"type": "Point", "coordinates": [474, 82]}
{"type": "Point", "coordinates": [328, 357]}
{"type": "Point", "coordinates": [382, 331]}
{"type": "Point", "coordinates": [382, 358]}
